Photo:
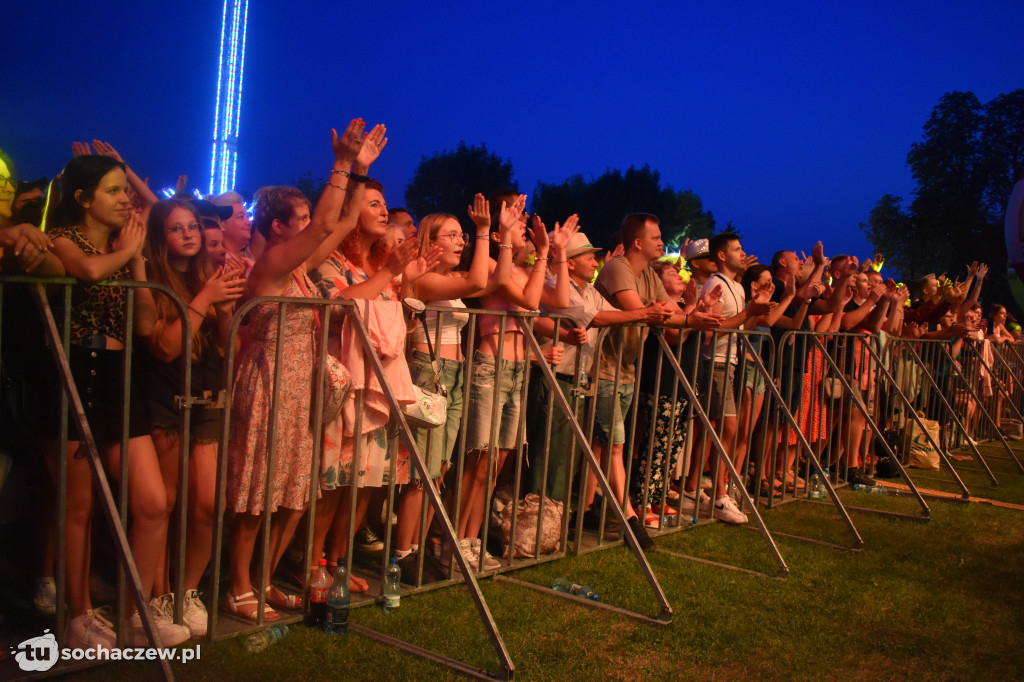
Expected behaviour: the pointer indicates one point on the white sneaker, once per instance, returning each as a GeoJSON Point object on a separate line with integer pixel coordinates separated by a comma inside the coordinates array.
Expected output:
{"type": "Point", "coordinates": [726, 510]}
{"type": "Point", "coordinates": [45, 597]}
{"type": "Point", "coordinates": [195, 615]}
{"type": "Point", "coordinates": [471, 553]}
{"type": "Point", "coordinates": [162, 609]}
{"type": "Point", "coordinates": [490, 563]}
{"type": "Point", "coordinates": [91, 629]}
{"type": "Point", "coordinates": [689, 503]}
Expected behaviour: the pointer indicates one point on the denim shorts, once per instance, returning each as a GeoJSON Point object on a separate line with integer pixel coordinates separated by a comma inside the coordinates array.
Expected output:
{"type": "Point", "coordinates": [436, 444]}
{"type": "Point", "coordinates": [610, 413]}
{"type": "Point", "coordinates": [721, 399]}
{"type": "Point", "coordinates": [753, 379]}
{"type": "Point", "coordinates": [509, 375]}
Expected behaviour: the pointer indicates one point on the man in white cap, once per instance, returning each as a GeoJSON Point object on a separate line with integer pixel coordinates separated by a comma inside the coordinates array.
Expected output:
{"type": "Point", "coordinates": [591, 311]}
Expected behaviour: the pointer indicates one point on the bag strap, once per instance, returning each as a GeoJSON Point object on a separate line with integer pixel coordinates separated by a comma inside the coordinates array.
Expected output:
{"type": "Point", "coordinates": [434, 363]}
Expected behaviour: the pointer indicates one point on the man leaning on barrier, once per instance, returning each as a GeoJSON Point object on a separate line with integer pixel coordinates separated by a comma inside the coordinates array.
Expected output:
{"type": "Point", "coordinates": [591, 311]}
{"type": "Point", "coordinates": [629, 283]}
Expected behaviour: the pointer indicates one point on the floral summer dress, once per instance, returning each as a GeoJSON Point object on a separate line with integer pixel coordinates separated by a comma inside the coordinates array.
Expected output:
{"type": "Point", "coordinates": [249, 443]}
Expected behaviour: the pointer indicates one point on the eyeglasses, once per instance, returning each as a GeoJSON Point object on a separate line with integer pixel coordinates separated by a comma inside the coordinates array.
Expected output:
{"type": "Point", "coordinates": [5, 179]}
{"type": "Point", "coordinates": [453, 236]}
{"type": "Point", "coordinates": [179, 230]}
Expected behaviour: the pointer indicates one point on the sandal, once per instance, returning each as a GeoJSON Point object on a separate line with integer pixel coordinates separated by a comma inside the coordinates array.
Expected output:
{"type": "Point", "coordinates": [280, 600]}
{"type": "Point", "coordinates": [773, 489]}
{"type": "Point", "coordinates": [357, 584]}
{"type": "Point", "coordinates": [796, 486]}
{"type": "Point", "coordinates": [245, 607]}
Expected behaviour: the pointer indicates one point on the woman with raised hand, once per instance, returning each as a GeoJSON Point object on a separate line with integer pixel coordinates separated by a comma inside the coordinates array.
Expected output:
{"type": "Point", "coordinates": [360, 267]}
{"type": "Point", "coordinates": [523, 291]}
{"type": "Point", "coordinates": [296, 243]}
{"type": "Point", "coordinates": [177, 258]}
{"type": "Point", "coordinates": [444, 286]}
{"type": "Point", "coordinates": [98, 236]}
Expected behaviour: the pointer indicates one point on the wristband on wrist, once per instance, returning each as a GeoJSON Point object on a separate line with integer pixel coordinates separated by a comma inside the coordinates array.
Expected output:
{"type": "Point", "coordinates": [197, 312]}
{"type": "Point", "coordinates": [506, 246]}
{"type": "Point", "coordinates": [483, 236]}
{"type": "Point", "coordinates": [356, 177]}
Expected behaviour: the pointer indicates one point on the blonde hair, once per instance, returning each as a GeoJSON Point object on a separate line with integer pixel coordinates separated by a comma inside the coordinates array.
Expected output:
{"type": "Point", "coordinates": [427, 231]}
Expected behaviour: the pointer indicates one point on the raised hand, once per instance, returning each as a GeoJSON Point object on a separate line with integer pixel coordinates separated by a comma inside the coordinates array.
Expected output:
{"type": "Point", "coordinates": [691, 292]}
{"type": "Point", "coordinates": [181, 185]}
{"type": "Point", "coordinates": [106, 149]}
{"type": "Point", "coordinates": [480, 212]}
{"type": "Point", "coordinates": [539, 236]}
{"type": "Point", "coordinates": [508, 218]}
{"type": "Point", "coordinates": [619, 250]}
{"type": "Point", "coordinates": [402, 255]}
{"type": "Point", "coordinates": [712, 296]}
{"type": "Point", "coordinates": [132, 235]}
{"type": "Point", "coordinates": [80, 149]}
{"type": "Point", "coordinates": [818, 254]}
{"type": "Point", "coordinates": [422, 265]}
{"type": "Point", "coordinates": [373, 144]}
{"type": "Point", "coordinates": [346, 147]}
{"type": "Point", "coordinates": [224, 286]}
{"type": "Point", "coordinates": [982, 271]}
{"type": "Point", "coordinates": [972, 269]}
{"type": "Point", "coordinates": [877, 292]}
{"type": "Point", "coordinates": [561, 235]}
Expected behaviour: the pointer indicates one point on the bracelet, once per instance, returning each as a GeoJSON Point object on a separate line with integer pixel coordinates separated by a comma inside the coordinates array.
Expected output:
{"type": "Point", "coordinates": [557, 262]}
{"type": "Point", "coordinates": [336, 186]}
{"type": "Point", "coordinates": [356, 177]}
{"type": "Point", "coordinates": [506, 246]}
{"type": "Point", "coordinates": [540, 258]}
{"type": "Point", "coordinates": [197, 312]}
{"type": "Point", "coordinates": [345, 173]}
{"type": "Point", "coordinates": [483, 236]}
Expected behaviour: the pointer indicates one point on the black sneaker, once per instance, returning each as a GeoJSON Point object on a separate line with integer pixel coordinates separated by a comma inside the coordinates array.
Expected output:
{"type": "Point", "coordinates": [856, 477]}
{"type": "Point", "coordinates": [640, 532]}
{"type": "Point", "coordinates": [431, 569]}
{"type": "Point", "coordinates": [369, 540]}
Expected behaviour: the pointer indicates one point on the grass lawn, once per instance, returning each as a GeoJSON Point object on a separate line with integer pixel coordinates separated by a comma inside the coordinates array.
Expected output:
{"type": "Point", "coordinates": [937, 600]}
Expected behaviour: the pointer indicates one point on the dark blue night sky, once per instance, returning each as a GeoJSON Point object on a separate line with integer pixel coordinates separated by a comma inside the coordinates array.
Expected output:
{"type": "Point", "coordinates": [788, 119]}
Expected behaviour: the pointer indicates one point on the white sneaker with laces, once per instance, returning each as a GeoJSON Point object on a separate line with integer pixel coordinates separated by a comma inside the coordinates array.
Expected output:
{"type": "Point", "coordinates": [689, 503]}
{"type": "Point", "coordinates": [490, 563]}
{"type": "Point", "coordinates": [91, 629]}
{"type": "Point", "coordinates": [45, 597]}
{"type": "Point", "coordinates": [195, 615]}
{"type": "Point", "coordinates": [162, 609]}
{"type": "Point", "coordinates": [471, 553]}
{"type": "Point", "coordinates": [726, 510]}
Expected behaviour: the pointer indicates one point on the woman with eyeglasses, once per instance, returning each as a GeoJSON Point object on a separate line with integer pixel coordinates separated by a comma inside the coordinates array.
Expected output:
{"type": "Point", "coordinates": [178, 259]}
{"type": "Point", "coordinates": [441, 343]}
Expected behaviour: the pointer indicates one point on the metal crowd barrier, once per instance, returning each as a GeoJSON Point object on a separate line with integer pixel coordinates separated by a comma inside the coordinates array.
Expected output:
{"type": "Point", "coordinates": [57, 338]}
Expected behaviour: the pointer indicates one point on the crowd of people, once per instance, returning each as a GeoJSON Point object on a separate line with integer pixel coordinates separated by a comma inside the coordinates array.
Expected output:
{"type": "Point", "coordinates": [99, 222]}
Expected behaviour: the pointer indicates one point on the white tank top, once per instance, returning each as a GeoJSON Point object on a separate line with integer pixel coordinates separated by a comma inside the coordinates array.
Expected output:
{"type": "Point", "coordinates": [451, 324]}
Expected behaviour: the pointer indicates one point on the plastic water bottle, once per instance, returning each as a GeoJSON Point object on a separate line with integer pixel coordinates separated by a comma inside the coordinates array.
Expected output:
{"type": "Point", "coordinates": [258, 641]}
{"type": "Point", "coordinates": [872, 489]}
{"type": "Point", "coordinates": [316, 605]}
{"type": "Point", "coordinates": [817, 488]}
{"type": "Point", "coordinates": [563, 584]}
{"type": "Point", "coordinates": [338, 602]}
{"type": "Point", "coordinates": [392, 590]}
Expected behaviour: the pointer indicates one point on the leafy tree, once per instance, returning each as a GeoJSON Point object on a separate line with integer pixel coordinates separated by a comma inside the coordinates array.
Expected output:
{"type": "Point", "coordinates": [964, 166]}
{"type": "Point", "coordinates": [605, 201]}
{"type": "Point", "coordinates": [447, 181]}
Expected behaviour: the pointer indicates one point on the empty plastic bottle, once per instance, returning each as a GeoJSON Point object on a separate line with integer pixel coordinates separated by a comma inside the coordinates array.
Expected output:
{"type": "Point", "coordinates": [563, 584]}
{"type": "Point", "coordinates": [258, 641]}
{"type": "Point", "coordinates": [392, 589]}
{"type": "Point", "coordinates": [873, 489]}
